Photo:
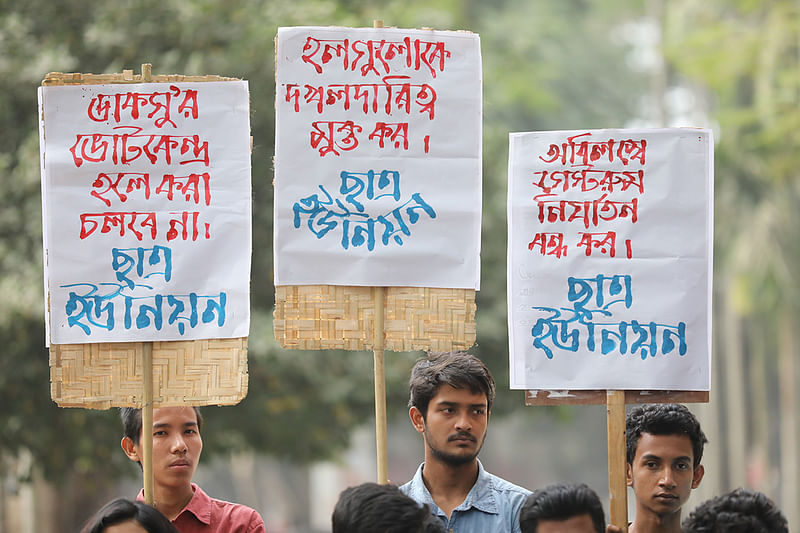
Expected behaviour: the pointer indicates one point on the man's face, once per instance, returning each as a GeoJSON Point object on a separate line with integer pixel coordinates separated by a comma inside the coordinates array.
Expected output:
{"type": "Point", "coordinates": [176, 446]}
{"type": "Point", "coordinates": [577, 524]}
{"type": "Point", "coordinates": [455, 426]}
{"type": "Point", "coordinates": [662, 473]}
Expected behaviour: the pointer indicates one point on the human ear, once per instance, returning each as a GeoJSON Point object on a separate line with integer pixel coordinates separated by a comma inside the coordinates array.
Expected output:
{"type": "Point", "coordinates": [130, 449]}
{"type": "Point", "coordinates": [629, 474]}
{"type": "Point", "coordinates": [417, 419]}
{"type": "Point", "coordinates": [697, 476]}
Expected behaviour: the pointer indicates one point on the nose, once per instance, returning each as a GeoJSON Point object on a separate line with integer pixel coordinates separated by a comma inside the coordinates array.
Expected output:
{"type": "Point", "coordinates": [667, 480]}
{"type": "Point", "coordinates": [463, 423]}
{"type": "Point", "coordinates": [178, 445]}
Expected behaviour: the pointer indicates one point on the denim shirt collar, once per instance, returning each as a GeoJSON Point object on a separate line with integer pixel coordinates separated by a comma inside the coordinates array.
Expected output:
{"type": "Point", "coordinates": [481, 496]}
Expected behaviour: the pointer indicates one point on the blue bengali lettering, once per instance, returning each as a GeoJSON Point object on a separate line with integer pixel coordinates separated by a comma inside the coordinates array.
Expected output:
{"type": "Point", "coordinates": [567, 329]}
{"type": "Point", "coordinates": [361, 213]}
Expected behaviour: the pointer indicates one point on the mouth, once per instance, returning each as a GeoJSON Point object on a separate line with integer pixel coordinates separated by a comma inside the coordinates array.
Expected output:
{"type": "Point", "coordinates": [462, 439]}
{"type": "Point", "coordinates": [180, 464]}
{"type": "Point", "coordinates": [666, 497]}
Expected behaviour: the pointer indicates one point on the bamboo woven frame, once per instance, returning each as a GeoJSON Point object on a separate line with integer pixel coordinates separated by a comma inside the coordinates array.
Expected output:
{"type": "Point", "coordinates": [105, 375]}
{"type": "Point", "coordinates": [318, 317]}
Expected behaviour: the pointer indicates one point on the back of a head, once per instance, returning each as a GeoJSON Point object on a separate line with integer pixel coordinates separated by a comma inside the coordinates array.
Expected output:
{"type": "Point", "coordinates": [738, 511]}
{"type": "Point", "coordinates": [663, 419]}
{"type": "Point", "coordinates": [561, 502]}
{"type": "Point", "coordinates": [370, 507]}
{"type": "Point", "coordinates": [460, 370]}
{"type": "Point", "coordinates": [121, 510]}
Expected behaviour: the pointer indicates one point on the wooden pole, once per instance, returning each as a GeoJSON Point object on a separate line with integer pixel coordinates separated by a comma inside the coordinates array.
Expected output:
{"type": "Point", "coordinates": [147, 373]}
{"type": "Point", "coordinates": [147, 422]}
{"type": "Point", "coordinates": [379, 294]}
{"type": "Point", "coordinates": [617, 488]}
{"type": "Point", "coordinates": [380, 385]}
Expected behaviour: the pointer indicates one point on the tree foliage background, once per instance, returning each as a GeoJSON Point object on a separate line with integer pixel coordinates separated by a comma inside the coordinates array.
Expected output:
{"type": "Point", "coordinates": [556, 64]}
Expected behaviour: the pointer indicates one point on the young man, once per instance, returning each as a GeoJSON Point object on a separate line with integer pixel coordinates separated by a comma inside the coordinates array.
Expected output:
{"type": "Point", "coordinates": [664, 449]}
{"type": "Point", "coordinates": [563, 508]}
{"type": "Point", "coordinates": [176, 450]}
{"type": "Point", "coordinates": [738, 511]}
{"type": "Point", "coordinates": [371, 507]}
{"type": "Point", "coordinates": [450, 401]}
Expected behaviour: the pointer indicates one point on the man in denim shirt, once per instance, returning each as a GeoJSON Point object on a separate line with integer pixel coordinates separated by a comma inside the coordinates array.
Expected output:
{"type": "Point", "coordinates": [451, 397]}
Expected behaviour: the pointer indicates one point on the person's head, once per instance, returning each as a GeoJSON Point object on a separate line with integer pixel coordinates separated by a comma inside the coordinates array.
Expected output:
{"type": "Point", "coordinates": [125, 516]}
{"type": "Point", "coordinates": [460, 370]}
{"type": "Point", "coordinates": [664, 450]}
{"type": "Point", "coordinates": [738, 511]}
{"type": "Point", "coordinates": [450, 400]}
{"type": "Point", "coordinates": [177, 444]}
{"type": "Point", "coordinates": [563, 508]}
{"type": "Point", "coordinates": [372, 507]}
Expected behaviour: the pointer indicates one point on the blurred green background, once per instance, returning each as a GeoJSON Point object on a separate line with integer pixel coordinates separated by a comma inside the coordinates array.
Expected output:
{"type": "Point", "coordinates": [731, 65]}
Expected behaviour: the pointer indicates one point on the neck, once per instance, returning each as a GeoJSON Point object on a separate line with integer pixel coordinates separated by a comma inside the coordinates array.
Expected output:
{"type": "Point", "coordinates": [449, 484]}
{"type": "Point", "coordinates": [170, 501]}
{"type": "Point", "coordinates": [649, 522]}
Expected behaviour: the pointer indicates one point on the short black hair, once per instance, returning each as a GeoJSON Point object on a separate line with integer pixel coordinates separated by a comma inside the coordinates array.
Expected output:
{"type": "Point", "coordinates": [122, 510]}
{"type": "Point", "coordinates": [371, 507]}
{"type": "Point", "coordinates": [738, 511]}
{"type": "Point", "coordinates": [460, 370]}
{"type": "Point", "coordinates": [132, 422]}
{"type": "Point", "coordinates": [663, 419]}
{"type": "Point", "coordinates": [561, 502]}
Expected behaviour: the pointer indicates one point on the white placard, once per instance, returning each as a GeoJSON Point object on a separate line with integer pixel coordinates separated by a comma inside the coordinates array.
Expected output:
{"type": "Point", "coordinates": [610, 258]}
{"type": "Point", "coordinates": [378, 157]}
{"type": "Point", "coordinates": [146, 211]}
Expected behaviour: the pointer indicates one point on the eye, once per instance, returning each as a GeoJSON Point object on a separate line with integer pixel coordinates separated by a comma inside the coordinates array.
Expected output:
{"type": "Point", "coordinates": [651, 464]}
{"type": "Point", "coordinates": [479, 411]}
{"type": "Point", "coordinates": [682, 466]}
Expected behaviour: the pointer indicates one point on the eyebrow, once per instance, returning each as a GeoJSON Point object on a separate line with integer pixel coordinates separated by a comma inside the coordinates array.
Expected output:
{"type": "Point", "coordinates": [445, 403]}
{"type": "Point", "coordinates": [165, 425]}
{"type": "Point", "coordinates": [653, 456]}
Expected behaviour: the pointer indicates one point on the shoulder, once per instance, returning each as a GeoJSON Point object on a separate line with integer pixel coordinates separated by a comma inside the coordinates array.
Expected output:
{"type": "Point", "coordinates": [416, 489]}
{"type": "Point", "coordinates": [506, 489]}
{"type": "Point", "coordinates": [236, 515]}
{"type": "Point", "coordinates": [415, 481]}
{"type": "Point", "coordinates": [234, 509]}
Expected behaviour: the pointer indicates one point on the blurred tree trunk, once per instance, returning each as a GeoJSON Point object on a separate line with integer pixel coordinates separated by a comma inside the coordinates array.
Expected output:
{"type": "Point", "coordinates": [790, 503]}
{"type": "Point", "coordinates": [758, 471]}
{"type": "Point", "coordinates": [735, 406]}
{"type": "Point", "coordinates": [658, 77]}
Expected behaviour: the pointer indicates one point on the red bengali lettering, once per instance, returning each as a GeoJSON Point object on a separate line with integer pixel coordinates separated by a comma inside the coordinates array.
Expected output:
{"type": "Point", "coordinates": [376, 57]}
{"type": "Point", "coordinates": [132, 106]}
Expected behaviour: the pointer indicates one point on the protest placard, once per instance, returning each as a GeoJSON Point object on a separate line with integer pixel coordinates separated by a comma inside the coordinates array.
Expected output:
{"type": "Point", "coordinates": [609, 273]}
{"type": "Point", "coordinates": [378, 158]}
{"type": "Point", "coordinates": [609, 263]}
{"type": "Point", "coordinates": [146, 214]}
{"type": "Point", "coordinates": [390, 198]}
{"type": "Point", "coordinates": [146, 211]}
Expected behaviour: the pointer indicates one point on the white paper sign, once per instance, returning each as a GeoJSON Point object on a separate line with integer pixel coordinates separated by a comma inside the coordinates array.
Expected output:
{"type": "Point", "coordinates": [378, 157]}
{"type": "Point", "coordinates": [146, 208]}
{"type": "Point", "coordinates": [609, 259]}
